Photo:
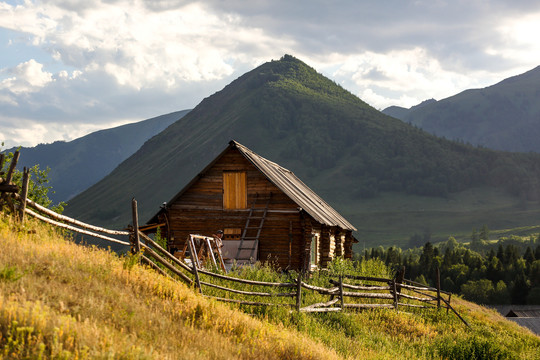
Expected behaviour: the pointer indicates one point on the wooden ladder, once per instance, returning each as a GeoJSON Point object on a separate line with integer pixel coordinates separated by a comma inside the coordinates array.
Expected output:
{"type": "Point", "coordinates": [255, 215]}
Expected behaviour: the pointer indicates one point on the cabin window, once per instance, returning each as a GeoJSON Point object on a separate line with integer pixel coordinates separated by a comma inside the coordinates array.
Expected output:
{"type": "Point", "coordinates": [234, 190]}
{"type": "Point", "coordinates": [314, 250]}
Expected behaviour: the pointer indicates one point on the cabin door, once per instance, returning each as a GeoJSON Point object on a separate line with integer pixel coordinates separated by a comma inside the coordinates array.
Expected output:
{"type": "Point", "coordinates": [234, 190]}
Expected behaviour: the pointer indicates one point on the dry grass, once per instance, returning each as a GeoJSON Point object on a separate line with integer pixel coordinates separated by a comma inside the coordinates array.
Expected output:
{"type": "Point", "coordinates": [60, 300]}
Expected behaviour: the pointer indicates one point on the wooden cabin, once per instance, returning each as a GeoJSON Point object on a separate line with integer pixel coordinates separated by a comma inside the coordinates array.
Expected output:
{"type": "Point", "coordinates": [265, 211]}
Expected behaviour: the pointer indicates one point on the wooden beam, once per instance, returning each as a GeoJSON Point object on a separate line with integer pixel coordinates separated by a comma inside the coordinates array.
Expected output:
{"type": "Point", "coordinates": [24, 193]}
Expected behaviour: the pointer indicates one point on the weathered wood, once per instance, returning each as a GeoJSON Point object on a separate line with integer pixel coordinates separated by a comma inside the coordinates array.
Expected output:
{"type": "Point", "coordinates": [368, 306]}
{"type": "Point", "coordinates": [244, 281]}
{"type": "Point", "coordinates": [253, 293]}
{"type": "Point", "coordinates": [242, 302]}
{"type": "Point", "coordinates": [369, 295]}
{"type": "Point", "coordinates": [194, 266]}
{"type": "Point", "coordinates": [417, 306]}
{"type": "Point", "coordinates": [395, 294]}
{"type": "Point", "coordinates": [360, 287]}
{"type": "Point", "coordinates": [319, 305]}
{"type": "Point", "coordinates": [167, 264]}
{"type": "Point", "coordinates": [341, 297]}
{"type": "Point", "coordinates": [24, 193]}
{"type": "Point", "coordinates": [12, 166]}
{"type": "Point", "coordinates": [69, 220]}
{"type": "Point", "coordinates": [438, 288]}
{"type": "Point", "coordinates": [298, 292]}
{"type": "Point", "coordinates": [419, 286]}
{"type": "Point", "coordinates": [321, 290]}
{"type": "Point", "coordinates": [72, 228]}
{"type": "Point", "coordinates": [455, 312]}
{"type": "Point", "coordinates": [406, 296]}
{"type": "Point", "coordinates": [423, 293]}
{"type": "Point", "coordinates": [9, 188]}
{"type": "Point", "coordinates": [167, 254]}
{"type": "Point", "coordinates": [321, 309]}
{"type": "Point", "coordinates": [367, 278]}
{"type": "Point", "coordinates": [136, 238]}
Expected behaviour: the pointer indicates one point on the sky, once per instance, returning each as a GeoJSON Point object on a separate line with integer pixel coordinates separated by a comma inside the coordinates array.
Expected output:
{"type": "Point", "coordinates": [70, 67]}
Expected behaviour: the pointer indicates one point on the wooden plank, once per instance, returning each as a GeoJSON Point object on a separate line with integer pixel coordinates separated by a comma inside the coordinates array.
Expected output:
{"type": "Point", "coordinates": [136, 239]}
{"type": "Point", "coordinates": [246, 302]}
{"type": "Point", "coordinates": [253, 293]}
{"type": "Point", "coordinates": [72, 228]}
{"type": "Point", "coordinates": [320, 309]}
{"type": "Point", "coordinates": [194, 264]}
{"type": "Point", "coordinates": [12, 166]}
{"type": "Point", "coordinates": [69, 220]}
{"type": "Point", "coordinates": [244, 281]}
{"type": "Point", "coordinates": [11, 188]}
{"type": "Point", "coordinates": [24, 193]}
{"type": "Point", "coordinates": [318, 305]}
{"type": "Point", "coordinates": [168, 265]}
{"type": "Point", "coordinates": [165, 253]}
{"type": "Point", "coordinates": [368, 306]}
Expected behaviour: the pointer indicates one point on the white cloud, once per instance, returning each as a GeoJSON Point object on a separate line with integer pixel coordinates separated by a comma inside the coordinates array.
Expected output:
{"type": "Point", "coordinates": [520, 39]}
{"type": "Point", "coordinates": [114, 60]}
{"type": "Point", "coordinates": [26, 77]}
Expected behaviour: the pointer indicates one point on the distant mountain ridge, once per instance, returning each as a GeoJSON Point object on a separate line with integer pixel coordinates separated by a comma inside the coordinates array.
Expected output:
{"type": "Point", "coordinates": [345, 150]}
{"type": "Point", "coordinates": [504, 116]}
{"type": "Point", "coordinates": [76, 165]}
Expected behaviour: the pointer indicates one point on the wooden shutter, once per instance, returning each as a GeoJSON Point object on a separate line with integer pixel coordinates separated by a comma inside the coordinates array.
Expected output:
{"type": "Point", "coordinates": [234, 190]}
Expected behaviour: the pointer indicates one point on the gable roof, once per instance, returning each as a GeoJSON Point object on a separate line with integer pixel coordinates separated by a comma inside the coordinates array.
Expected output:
{"type": "Point", "coordinates": [287, 182]}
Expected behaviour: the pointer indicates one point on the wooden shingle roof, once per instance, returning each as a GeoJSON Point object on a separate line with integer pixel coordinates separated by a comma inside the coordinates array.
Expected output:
{"type": "Point", "coordinates": [287, 182]}
{"type": "Point", "coordinates": [293, 187]}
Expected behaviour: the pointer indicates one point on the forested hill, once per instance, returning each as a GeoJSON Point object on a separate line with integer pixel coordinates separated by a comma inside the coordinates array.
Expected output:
{"type": "Point", "coordinates": [76, 165]}
{"type": "Point", "coordinates": [504, 116]}
{"type": "Point", "coordinates": [340, 146]}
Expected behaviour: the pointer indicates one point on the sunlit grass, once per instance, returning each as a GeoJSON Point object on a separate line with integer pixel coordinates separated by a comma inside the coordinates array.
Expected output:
{"type": "Point", "coordinates": [76, 302]}
{"type": "Point", "coordinates": [61, 300]}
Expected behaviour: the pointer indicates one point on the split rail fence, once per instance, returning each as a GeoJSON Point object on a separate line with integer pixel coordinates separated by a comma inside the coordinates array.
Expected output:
{"type": "Point", "coordinates": [345, 291]}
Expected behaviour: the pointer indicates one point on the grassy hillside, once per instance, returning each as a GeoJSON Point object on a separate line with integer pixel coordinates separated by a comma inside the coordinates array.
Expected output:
{"type": "Point", "coordinates": [75, 165]}
{"type": "Point", "coordinates": [347, 151]}
{"type": "Point", "coordinates": [503, 116]}
{"type": "Point", "coordinates": [60, 300]}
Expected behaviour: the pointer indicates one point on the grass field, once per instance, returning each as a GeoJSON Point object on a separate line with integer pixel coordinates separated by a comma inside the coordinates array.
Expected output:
{"type": "Point", "coordinates": [59, 300]}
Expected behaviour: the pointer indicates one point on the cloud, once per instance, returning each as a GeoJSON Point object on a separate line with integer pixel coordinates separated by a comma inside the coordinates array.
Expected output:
{"type": "Point", "coordinates": [26, 77]}
{"type": "Point", "coordinates": [99, 62]}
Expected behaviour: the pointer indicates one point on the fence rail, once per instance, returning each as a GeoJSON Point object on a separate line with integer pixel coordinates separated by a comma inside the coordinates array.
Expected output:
{"type": "Point", "coordinates": [343, 293]}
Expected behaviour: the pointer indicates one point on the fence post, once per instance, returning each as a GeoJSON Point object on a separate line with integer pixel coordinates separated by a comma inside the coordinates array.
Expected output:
{"type": "Point", "coordinates": [24, 193]}
{"type": "Point", "coordinates": [299, 292]}
{"type": "Point", "coordinates": [136, 238]}
{"type": "Point", "coordinates": [342, 301]}
{"type": "Point", "coordinates": [12, 166]}
{"type": "Point", "coordinates": [395, 294]}
{"type": "Point", "coordinates": [438, 288]}
{"type": "Point", "coordinates": [194, 265]}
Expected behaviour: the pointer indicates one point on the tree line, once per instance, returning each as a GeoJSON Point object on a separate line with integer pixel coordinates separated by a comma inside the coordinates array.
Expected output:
{"type": "Point", "coordinates": [506, 271]}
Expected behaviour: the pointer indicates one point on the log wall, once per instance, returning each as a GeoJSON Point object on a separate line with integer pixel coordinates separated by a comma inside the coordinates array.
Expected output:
{"type": "Point", "coordinates": [284, 239]}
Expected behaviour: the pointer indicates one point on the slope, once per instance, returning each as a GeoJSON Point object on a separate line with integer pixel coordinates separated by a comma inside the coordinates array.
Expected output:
{"type": "Point", "coordinates": [63, 301]}
{"type": "Point", "coordinates": [76, 165]}
{"type": "Point", "coordinates": [503, 116]}
{"type": "Point", "coordinates": [341, 147]}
